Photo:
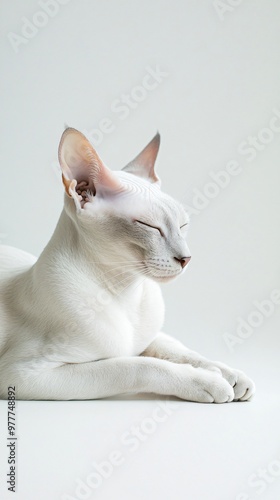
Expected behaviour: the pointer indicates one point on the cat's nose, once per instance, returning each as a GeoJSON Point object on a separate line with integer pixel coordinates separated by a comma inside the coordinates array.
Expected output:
{"type": "Point", "coordinates": [183, 260]}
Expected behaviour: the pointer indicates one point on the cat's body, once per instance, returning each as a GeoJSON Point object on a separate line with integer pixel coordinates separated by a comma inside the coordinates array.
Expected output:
{"type": "Point", "coordinates": [84, 320]}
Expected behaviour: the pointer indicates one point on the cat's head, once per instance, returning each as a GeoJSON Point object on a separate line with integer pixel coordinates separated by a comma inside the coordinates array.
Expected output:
{"type": "Point", "coordinates": [123, 216]}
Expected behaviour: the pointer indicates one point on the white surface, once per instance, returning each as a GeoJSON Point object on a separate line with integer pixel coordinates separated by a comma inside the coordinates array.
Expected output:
{"type": "Point", "coordinates": [222, 86]}
{"type": "Point", "coordinates": [200, 452]}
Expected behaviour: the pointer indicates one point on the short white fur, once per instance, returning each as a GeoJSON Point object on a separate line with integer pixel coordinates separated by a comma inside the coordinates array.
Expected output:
{"type": "Point", "coordinates": [84, 320]}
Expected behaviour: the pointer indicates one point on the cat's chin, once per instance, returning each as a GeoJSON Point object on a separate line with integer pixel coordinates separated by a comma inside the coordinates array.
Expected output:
{"type": "Point", "coordinates": [164, 279]}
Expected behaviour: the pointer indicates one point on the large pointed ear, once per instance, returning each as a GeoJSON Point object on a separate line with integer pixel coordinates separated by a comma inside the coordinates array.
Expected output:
{"type": "Point", "coordinates": [82, 169]}
{"type": "Point", "coordinates": [144, 164]}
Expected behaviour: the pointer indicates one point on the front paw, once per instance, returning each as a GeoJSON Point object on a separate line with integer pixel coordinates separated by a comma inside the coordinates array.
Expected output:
{"type": "Point", "coordinates": [203, 386]}
{"type": "Point", "coordinates": [243, 386]}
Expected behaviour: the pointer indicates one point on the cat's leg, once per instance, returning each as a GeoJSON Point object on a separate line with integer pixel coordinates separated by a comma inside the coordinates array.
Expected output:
{"type": "Point", "coordinates": [168, 348]}
{"type": "Point", "coordinates": [114, 376]}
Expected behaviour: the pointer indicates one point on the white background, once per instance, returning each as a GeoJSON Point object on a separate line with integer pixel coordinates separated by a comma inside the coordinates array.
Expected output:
{"type": "Point", "coordinates": [221, 87]}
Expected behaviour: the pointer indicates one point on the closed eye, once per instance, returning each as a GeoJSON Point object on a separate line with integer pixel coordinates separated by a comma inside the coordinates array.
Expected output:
{"type": "Point", "coordinates": [184, 225]}
{"type": "Point", "coordinates": [149, 225]}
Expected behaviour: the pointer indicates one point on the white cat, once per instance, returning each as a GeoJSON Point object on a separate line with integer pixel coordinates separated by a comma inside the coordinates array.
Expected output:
{"type": "Point", "coordinates": [84, 320]}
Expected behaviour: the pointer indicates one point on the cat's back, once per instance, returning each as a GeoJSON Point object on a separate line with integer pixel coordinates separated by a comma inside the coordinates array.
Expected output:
{"type": "Point", "coordinates": [13, 261]}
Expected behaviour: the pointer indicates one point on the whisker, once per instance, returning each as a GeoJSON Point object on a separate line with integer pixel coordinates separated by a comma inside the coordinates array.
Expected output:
{"type": "Point", "coordinates": [145, 273]}
{"type": "Point", "coordinates": [110, 272]}
{"type": "Point", "coordinates": [115, 262]}
{"type": "Point", "coordinates": [127, 269]}
{"type": "Point", "coordinates": [121, 273]}
{"type": "Point", "coordinates": [130, 279]}
{"type": "Point", "coordinates": [122, 264]}
{"type": "Point", "coordinates": [141, 282]}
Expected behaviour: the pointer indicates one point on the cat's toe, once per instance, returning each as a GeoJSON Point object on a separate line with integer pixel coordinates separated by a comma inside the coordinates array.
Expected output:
{"type": "Point", "coordinates": [244, 388]}
{"type": "Point", "coordinates": [229, 374]}
{"type": "Point", "coordinates": [220, 390]}
{"type": "Point", "coordinates": [249, 393]}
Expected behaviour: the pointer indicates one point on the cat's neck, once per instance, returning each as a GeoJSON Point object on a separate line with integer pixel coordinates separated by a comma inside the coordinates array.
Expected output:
{"type": "Point", "coordinates": [69, 249]}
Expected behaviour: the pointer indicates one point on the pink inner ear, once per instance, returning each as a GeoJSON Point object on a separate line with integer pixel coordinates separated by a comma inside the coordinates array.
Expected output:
{"type": "Point", "coordinates": [144, 163]}
{"type": "Point", "coordinates": [79, 161]}
{"type": "Point", "coordinates": [109, 181]}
